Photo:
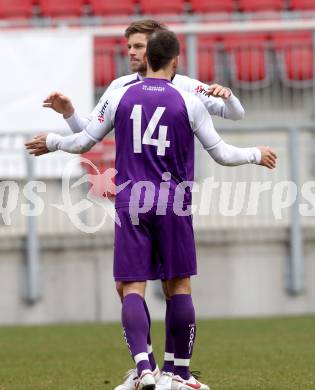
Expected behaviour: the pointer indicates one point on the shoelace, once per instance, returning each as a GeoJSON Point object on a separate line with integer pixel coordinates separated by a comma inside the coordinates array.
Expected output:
{"type": "Point", "coordinates": [132, 371]}
{"type": "Point", "coordinates": [196, 374]}
{"type": "Point", "coordinates": [167, 373]}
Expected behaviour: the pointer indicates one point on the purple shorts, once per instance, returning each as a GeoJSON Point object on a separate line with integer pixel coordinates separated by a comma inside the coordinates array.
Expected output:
{"type": "Point", "coordinates": [159, 247]}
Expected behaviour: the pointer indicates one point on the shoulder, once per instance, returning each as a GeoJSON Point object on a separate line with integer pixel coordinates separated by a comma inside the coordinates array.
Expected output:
{"type": "Point", "coordinates": [117, 94]}
{"type": "Point", "coordinates": [123, 80]}
{"type": "Point", "coordinates": [185, 82]}
{"type": "Point", "coordinates": [189, 99]}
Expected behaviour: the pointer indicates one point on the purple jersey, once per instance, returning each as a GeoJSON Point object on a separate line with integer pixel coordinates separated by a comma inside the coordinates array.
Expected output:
{"type": "Point", "coordinates": [153, 136]}
{"type": "Point", "coordinates": [154, 125]}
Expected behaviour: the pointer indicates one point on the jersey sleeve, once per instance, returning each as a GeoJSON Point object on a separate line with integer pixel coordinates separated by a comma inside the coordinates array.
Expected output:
{"type": "Point", "coordinates": [77, 123]}
{"type": "Point", "coordinates": [222, 153]}
{"type": "Point", "coordinates": [230, 108]}
{"type": "Point", "coordinates": [100, 125]}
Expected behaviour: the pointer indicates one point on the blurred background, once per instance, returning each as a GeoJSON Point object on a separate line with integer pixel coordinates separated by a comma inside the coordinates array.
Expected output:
{"type": "Point", "coordinates": [250, 263]}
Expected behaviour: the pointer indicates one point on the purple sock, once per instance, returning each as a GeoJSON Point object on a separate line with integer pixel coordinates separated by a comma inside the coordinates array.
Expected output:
{"type": "Point", "coordinates": [183, 330]}
{"type": "Point", "coordinates": [169, 350]}
{"type": "Point", "coordinates": [136, 327]}
{"type": "Point", "coordinates": [150, 349]}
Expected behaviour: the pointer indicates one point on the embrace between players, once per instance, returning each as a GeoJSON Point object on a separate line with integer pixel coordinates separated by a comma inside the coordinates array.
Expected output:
{"type": "Point", "coordinates": [156, 114]}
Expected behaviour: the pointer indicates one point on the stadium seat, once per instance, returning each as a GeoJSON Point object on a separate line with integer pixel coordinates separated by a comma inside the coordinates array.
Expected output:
{"type": "Point", "coordinates": [14, 9]}
{"type": "Point", "coordinates": [261, 5]}
{"type": "Point", "coordinates": [61, 8]}
{"type": "Point", "coordinates": [105, 54]}
{"type": "Point", "coordinates": [116, 7]}
{"type": "Point", "coordinates": [161, 6]}
{"type": "Point", "coordinates": [207, 48]}
{"type": "Point", "coordinates": [206, 6]}
{"type": "Point", "coordinates": [294, 53]}
{"type": "Point", "coordinates": [248, 59]}
{"type": "Point", "coordinates": [302, 5]}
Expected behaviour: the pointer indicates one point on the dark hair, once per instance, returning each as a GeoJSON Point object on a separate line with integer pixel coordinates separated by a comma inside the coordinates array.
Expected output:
{"type": "Point", "coordinates": [162, 47]}
{"type": "Point", "coordinates": [147, 26]}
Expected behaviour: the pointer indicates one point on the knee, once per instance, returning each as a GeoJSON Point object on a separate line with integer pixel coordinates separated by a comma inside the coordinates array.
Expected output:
{"type": "Point", "coordinates": [165, 290]}
{"type": "Point", "coordinates": [178, 286]}
{"type": "Point", "coordinates": [120, 290]}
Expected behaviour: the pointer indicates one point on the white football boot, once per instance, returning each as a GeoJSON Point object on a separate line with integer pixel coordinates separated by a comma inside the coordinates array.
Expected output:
{"type": "Point", "coordinates": [165, 381]}
{"type": "Point", "coordinates": [131, 379]}
{"type": "Point", "coordinates": [146, 381]}
{"type": "Point", "coordinates": [179, 383]}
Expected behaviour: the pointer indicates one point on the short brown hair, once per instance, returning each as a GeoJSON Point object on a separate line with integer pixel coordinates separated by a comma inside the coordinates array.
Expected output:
{"type": "Point", "coordinates": [147, 26]}
{"type": "Point", "coordinates": [162, 47]}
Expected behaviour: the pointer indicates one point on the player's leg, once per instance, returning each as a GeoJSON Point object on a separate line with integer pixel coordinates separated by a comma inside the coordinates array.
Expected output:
{"type": "Point", "coordinates": [183, 331]}
{"type": "Point", "coordinates": [182, 324]}
{"type": "Point", "coordinates": [178, 257]}
{"type": "Point", "coordinates": [130, 241]}
{"type": "Point", "coordinates": [119, 289]}
{"type": "Point", "coordinates": [168, 365]}
{"type": "Point", "coordinates": [136, 327]}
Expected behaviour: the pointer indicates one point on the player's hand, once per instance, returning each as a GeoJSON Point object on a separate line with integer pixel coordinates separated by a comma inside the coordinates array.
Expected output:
{"type": "Point", "coordinates": [37, 145]}
{"type": "Point", "coordinates": [268, 157]}
{"type": "Point", "coordinates": [218, 90]}
{"type": "Point", "coordinates": [60, 103]}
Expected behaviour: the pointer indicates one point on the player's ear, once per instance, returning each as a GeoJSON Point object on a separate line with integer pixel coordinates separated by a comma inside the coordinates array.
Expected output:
{"type": "Point", "coordinates": [175, 63]}
{"type": "Point", "coordinates": [145, 58]}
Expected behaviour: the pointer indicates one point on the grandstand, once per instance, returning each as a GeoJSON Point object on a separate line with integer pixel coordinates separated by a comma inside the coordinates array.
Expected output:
{"type": "Point", "coordinates": [262, 50]}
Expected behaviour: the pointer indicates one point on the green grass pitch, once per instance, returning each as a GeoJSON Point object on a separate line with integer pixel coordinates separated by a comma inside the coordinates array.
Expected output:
{"type": "Point", "coordinates": [242, 354]}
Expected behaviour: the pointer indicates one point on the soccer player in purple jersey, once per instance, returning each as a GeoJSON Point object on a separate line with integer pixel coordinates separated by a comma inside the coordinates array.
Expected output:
{"type": "Point", "coordinates": [217, 99]}
{"type": "Point", "coordinates": [155, 123]}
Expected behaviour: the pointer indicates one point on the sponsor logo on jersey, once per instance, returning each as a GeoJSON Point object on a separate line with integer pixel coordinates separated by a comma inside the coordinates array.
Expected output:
{"type": "Point", "coordinates": [153, 88]}
{"type": "Point", "coordinates": [102, 112]}
{"type": "Point", "coordinates": [201, 89]}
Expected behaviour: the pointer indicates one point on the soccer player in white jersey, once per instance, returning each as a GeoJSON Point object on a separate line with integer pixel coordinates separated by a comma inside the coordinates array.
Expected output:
{"type": "Point", "coordinates": [140, 112]}
{"type": "Point", "coordinates": [217, 99]}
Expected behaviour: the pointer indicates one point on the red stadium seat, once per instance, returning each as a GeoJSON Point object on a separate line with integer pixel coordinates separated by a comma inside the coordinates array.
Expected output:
{"type": "Point", "coordinates": [207, 47]}
{"type": "Point", "coordinates": [116, 7]}
{"type": "Point", "coordinates": [261, 5]}
{"type": "Point", "coordinates": [248, 59]}
{"type": "Point", "coordinates": [302, 5]}
{"type": "Point", "coordinates": [161, 6]}
{"type": "Point", "coordinates": [61, 8]}
{"type": "Point", "coordinates": [295, 57]}
{"type": "Point", "coordinates": [15, 9]}
{"type": "Point", "coordinates": [206, 6]}
{"type": "Point", "coordinates": [105, 54]}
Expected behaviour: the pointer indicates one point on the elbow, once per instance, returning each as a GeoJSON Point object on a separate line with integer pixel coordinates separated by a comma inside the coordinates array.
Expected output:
{"type": "Point", "coordinates": [79, 148]}
{"type": "Point", "coordinates": [239, 115]}
{"type": "Point", "coordinates": [83, 149]}
{"type": "Point", "coordinates": [221, 160]}
{"type": "Point", "coordinates": [234, 113]}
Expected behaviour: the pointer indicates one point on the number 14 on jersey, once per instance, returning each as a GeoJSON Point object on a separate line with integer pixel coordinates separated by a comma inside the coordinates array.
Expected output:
{"type": "Point", "coordinates": [161, 142]}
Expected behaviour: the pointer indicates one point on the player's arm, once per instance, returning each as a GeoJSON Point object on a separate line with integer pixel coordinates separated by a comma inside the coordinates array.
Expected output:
{"type": "Point", "coordinates": [79, 142]}
{"type": "Point", "coordinates": [63, 105]}
{"type": "Point", "coordinates": [221, 152]}
{"type": "Point", "coordinates": [217, 99]}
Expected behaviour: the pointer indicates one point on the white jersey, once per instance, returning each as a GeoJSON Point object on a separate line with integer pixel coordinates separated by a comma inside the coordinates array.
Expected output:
{"type": "Point", "coordinates": [230, 108]}
{"type": "Point", "coordinates": [177, 114]}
